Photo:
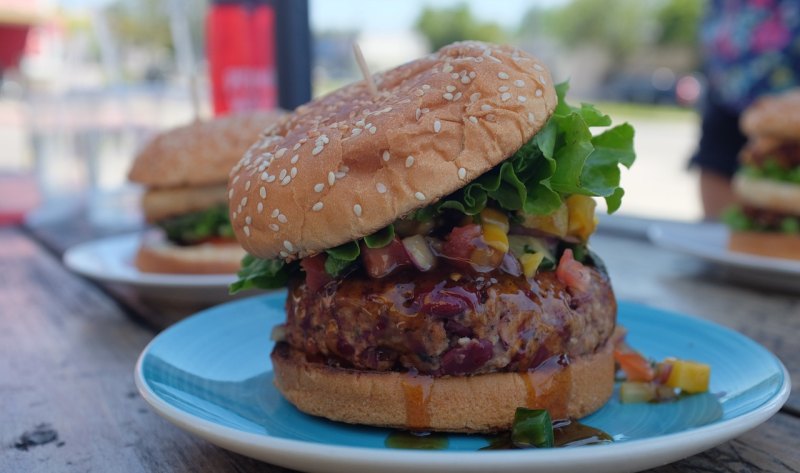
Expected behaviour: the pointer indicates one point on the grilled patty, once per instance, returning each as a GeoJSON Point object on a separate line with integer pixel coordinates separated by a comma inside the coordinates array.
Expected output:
{"type": "Point", "coordinates": [443, 322]}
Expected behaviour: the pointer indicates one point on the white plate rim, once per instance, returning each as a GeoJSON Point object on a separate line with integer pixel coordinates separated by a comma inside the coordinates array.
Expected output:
{"type": "Point", "coordinates": [663, 234]}
{"type": "Point", "coordinates": [75, 259]}
{"type": "Point", "coordinates": [631, 455]}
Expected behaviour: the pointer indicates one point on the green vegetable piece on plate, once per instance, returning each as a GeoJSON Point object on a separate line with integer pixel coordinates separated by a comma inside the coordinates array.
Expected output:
{"type": "Point", "coordinates": [532, 428]}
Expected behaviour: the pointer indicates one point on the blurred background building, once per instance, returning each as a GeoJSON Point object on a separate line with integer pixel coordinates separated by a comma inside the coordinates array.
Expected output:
{"type": "Point", "coordinates": [85, 82]}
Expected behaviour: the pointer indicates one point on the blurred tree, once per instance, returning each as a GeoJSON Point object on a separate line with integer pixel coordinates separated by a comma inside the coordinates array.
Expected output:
{"type": "Point", "coordinates": [145, 23]}
{"type": "Point", "coordinates": [679, 22]}
{"type": "Point", "coordinates": [442, 26]}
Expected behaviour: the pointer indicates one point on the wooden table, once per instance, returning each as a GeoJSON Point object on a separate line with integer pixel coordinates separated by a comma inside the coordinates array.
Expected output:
{"type": "Point", "coordinates": [68, 348]}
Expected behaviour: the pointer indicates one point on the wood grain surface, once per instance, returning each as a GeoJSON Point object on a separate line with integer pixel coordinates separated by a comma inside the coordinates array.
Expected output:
{"type": "Point", "coordinates": [67, 352]}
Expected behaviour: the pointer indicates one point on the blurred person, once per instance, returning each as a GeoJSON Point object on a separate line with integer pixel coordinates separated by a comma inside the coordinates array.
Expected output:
{"type": "Point", "coordinates": [750, 48]}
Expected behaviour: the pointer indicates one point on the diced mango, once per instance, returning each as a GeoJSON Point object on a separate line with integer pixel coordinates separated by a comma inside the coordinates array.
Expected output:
{"type": "Point", "coordinates": [556, 223]}
{"type": "Point", "coordinates": [495, 217]}
{"type": "Point", "coordinates": [582, 221]}
{"type": "Point", "coordinates": [495, 237]}
{"type": "Point", "coordinates": [631, 392]}
{"type": "Point", "coordinates": [530, 263]}
{"type": "Point", "coordinates": [690, 376]}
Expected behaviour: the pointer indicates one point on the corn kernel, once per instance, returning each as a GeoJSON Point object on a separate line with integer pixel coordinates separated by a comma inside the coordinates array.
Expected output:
{"type": "Point", "coordinates": [495, 217]}
{"type": "Point", "coordinates": [689, 376]}
{"type": "Point", "coordinates": [530, 263]}
{"type": "Point", "coordinates": [495, 237]}
{"type": "Point", "coordinates": [582, 222]}
{"type": "Point", "coordinates": [555, 223]}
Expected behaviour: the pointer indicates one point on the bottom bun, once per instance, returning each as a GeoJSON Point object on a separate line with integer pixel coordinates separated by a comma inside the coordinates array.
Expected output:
{"type": "Point", "coordinates": [775, 245]}
{"type": "Point", "coordinates": [471, 404]}
{"type": "Point", "coordinates": [157, 255]}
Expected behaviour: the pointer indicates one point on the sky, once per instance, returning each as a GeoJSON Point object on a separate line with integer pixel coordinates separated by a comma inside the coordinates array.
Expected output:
{"type": "Point", "coordinates": [383, 15]}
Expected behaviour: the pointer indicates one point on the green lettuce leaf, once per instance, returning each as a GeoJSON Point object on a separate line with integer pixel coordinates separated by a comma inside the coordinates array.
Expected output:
{"type": "Point", "coordinates": [196, 227]}
{"type": "Point", "coordinates": [259, 273]}
{"type": "Point", "coordinates": [564, 158]}
{"type": "Point", "coordinates": [772, 170]}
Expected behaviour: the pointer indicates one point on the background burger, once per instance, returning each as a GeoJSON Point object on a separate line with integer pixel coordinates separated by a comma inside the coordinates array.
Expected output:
{"type": "Point", "coordinates": [767, 221]}
{"type": "Point", "coordinates": [434, 242]}
{"type": "Point", "coordinates": [185, 171]}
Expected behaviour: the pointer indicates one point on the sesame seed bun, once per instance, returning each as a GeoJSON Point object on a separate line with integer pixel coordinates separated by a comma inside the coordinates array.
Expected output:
{"type": "Point", "coordinates": [471, 404]}
{"type": "Point", "coordinates": [768, 194]}
{"type": "Point", "coordinates": [158, 204]}
{"type": "Point", "coordinates": [776, 116]}
{"type": "Point", "coordinates": [348, 164]}
{"type": "Point", "coordinates": [200, 153]}
{"type": "Point", "coordinates": [157, 255]}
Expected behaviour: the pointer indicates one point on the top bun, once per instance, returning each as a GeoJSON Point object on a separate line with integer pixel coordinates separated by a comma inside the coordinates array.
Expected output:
{"type": "Point", "coordinates": [776, 116]}
{"type": "Point", "coordinates": [348, 164]}
{"type": "Point", "coordinates": [200, 153]}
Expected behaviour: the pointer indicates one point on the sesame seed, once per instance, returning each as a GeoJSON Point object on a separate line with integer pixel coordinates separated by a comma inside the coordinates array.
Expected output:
{"type": "Point", "coordinates": [280, 153]}
{"type": "Point", "coordinates": [450, 88]}
{"type": "Point", "coordinates": [293, 172]}
{"type": "Point", "coordinates": [472, 74]}
{"type": "Point", "coordinates": [356, 131]}
{"type": "Point", "coordinates": [360, 122]}
{"type": "Point", "coordinates": [465, 80]}
{"type": "Point", "coordinates": [424, 87]}
{"type": "Point", "coordinates": [437, 126]}
{"type": "Point", "coordinates": [502, 75]}
{"type": "Point", "coordinates": [380, 187]}
{"type": "Point", "coordinates": [317, 207]}
{"type": "Point", "coordinates": [357, 210]}
{"type": "Point", "coordinates": [296, 146]}
{"type": "Point", "coordinates": [282, 174]}
{"type": "Point", "coordinates": [474, 97]}
{"type": "Point", "coordinates": [262, 192]}
{"type": "Point", "coordinates": [295, 158]}
{"type": "Point", "coordinates": [418, 113]}
{"type": "Point", "coordinates": [494, 59]}
{"type": "Point", "coordinates": [288, 245]}
{"type": "Point", "coordinates": [502, 88]}
{"type": "Point", "coordinates": [409, 161]}
{"type": "Point", "coordinates": [419, 195]}
{"type": "Point", "coordinates": [505, 96]}
{"type": "Point", "coordinates": [234, 214]}
{"type": "Point", "coordinates": [230, 194]}
{"type": "Point", "coordinates": [448, 96]}
{"type": "Point", "coordinates": [275, 213]}
{"type": "Point", "coordinates": [248, 220]}
{"type": "Point", "coordinates": [282, 218]}
{"type": "Point", "coordinates": [473, 119]}
{"type": "Point", "coordinates": [284, 254]}
{"type": "Point", "coordinates": [260, 207]}
{"type": "Point", "coordinates": [324, 139]}
{"type": "Point", "coordinates": [246, 185]}
{"type": "Point", "coordinates": [419, 92]}
{"type": "Point", "coordinates": [454, 75]}
{"type": "Point", "coordinates": [522, 98]}
{"type": "Point", "coordinates": [531, 117]}
{"type": "Point", "coordinates": [447, 67]}
{"type": "Point", "coordinates": [271, 178]}
{"type": "Point", "coordinates": [486, 107]}
{"type": "Point", "coordinates": [345, 168]}
{"type": "Point", "coordinates": [386, 155]}
{"type": "Point", "coordinates": [538, 67]}
{"type": "Point", "coordinates": [274, 227]}
{"type": "Point", "coordinates": [457, 96]}
{"type": "Point", "coordinates": [244, 201]}
{"type": "Point", "coordinates": [246, 230]}
{"type": "Point", "coordinates": [519, 83]}
{"type": "Point", "coordinates": [319, 187]}
{"type": "Point", "coordinates": [462, 173]}
{"type": "Point", "coordinates": [317, 150]}
{"type": "Point", "coordinates": [340, 174]}
{"type": "Point", "coordinates": [538, 92]}
{"type": "Point", "coordinates": [286, 180]}
{"type": "Point", "coordinates": [373, 129]}
{"type": "Point", "coordinates": [331, 178]}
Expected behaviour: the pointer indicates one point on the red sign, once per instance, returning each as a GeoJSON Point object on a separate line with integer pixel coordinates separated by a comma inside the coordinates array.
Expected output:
{"type": "Point", "coordinates": [241, 54]}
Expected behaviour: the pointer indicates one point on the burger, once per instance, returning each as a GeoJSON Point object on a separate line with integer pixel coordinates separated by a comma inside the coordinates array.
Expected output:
{"type": "Point", "coordinates": [433, 239]}
{"type": "Point", "coordinates": [766, 221]}
{"type": "Point", "coordinates": [185, 172]}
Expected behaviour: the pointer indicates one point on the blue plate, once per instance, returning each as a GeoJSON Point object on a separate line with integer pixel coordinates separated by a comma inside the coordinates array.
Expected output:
{"type": "Point", "coordinates": [211, 374]}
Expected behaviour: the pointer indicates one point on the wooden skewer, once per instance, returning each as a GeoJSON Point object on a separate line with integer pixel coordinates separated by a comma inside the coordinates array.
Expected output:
{"type": "Point", "coordinates": [362, 64]}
